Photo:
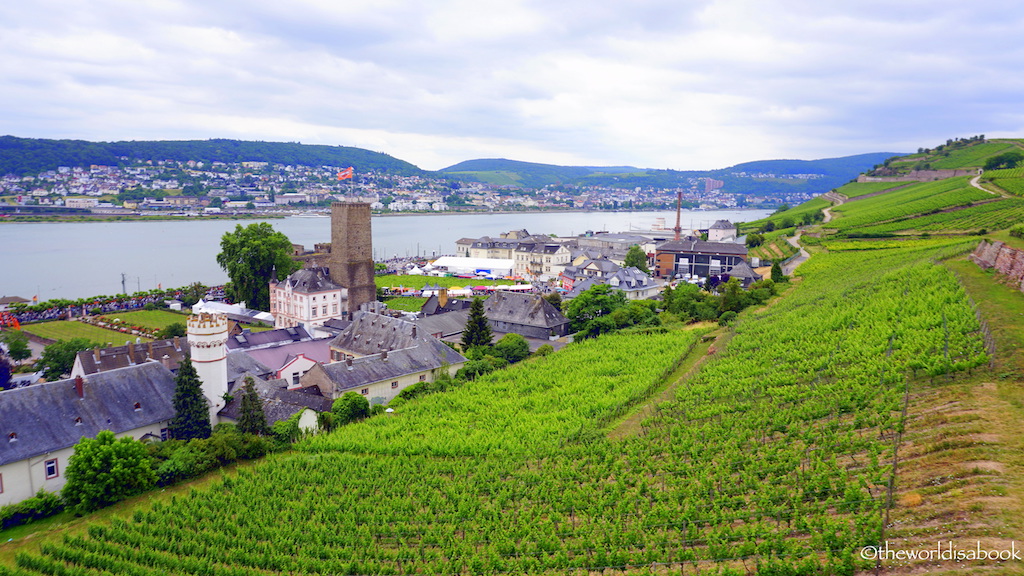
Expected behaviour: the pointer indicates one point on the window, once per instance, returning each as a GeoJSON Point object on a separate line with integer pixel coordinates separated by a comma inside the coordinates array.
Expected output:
{"type": "Point", "coordinates": [323, 310]}
{"type": "Point", "coordinates": [364, 391]}
{"type": "Point", "coordinates": [423, 377]}
{"type": "Point", "coordinates": [51, 468]}
{"type": "Point", "coordinates": [78, 420]}
{"type": "Point", "coordinates": [138, 407]}
{"type": "Point", "coordinates": [295, 379]}
{"type": "Point", "coordinates": [394, 384]}
{"type": "Point", "coordinates": [12, 437]}
{"type": "Point", "coordinates": [164, 434]}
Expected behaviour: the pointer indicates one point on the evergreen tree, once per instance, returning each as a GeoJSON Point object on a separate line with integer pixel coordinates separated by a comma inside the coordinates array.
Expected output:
{"type": "Point", "coordinates": [478, 329]}
{"type": "Point", "coordinates": [191, 410]}
{"type": "Point", "coordinates": [636, 258]}
{"type": "Point", "coordinates": [253, 420]}
{"type": "Point", "coordinates": [777, 275]}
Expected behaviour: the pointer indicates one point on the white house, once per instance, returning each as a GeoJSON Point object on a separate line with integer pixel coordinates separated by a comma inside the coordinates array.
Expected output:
{"type": "Point", "coordinates": [306, 298]}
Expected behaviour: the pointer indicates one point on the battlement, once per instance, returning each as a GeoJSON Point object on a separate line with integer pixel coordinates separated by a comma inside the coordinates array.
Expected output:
{"type": "Point", "coordinates": [208, 323]}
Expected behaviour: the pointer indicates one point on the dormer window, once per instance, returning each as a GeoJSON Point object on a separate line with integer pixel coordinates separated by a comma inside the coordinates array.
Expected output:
{"type": "Point", "coordinates": [78, 420]}
{"type": "Point", "coordinates": [138, 407]}
{"type": "Point", "coordinates": [12, 437]}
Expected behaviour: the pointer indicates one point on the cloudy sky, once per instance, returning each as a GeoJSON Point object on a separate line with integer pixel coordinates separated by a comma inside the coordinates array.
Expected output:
{"type": "Point", "coordinates": [683, 84]}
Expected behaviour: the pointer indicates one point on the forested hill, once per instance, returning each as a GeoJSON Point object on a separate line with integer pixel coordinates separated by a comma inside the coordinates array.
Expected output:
{"type": "Point", "coordinates": [764, 177]}
{"type": "Point", "coordinates": [27, 156]}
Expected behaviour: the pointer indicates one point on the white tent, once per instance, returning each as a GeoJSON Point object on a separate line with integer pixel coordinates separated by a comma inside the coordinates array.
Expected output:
{"type": "Point", "coordinates": [488, 266]}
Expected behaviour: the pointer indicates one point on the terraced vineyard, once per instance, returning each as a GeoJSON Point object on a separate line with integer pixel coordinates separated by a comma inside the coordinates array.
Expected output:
{"type": "Point", "coordinates": [921, 199]}
{"type": "Point", "coordinates": [776, 457]}
{"type": "Point", "coordinates": [996, 215]}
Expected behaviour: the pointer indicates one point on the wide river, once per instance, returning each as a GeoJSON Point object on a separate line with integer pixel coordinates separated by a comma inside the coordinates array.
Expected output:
{"type": "Point", "coordinates": [77, 260]}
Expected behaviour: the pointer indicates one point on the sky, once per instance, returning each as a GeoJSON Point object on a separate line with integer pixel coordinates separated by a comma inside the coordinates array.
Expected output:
{"type": "Point", "coordinates": [680, 84]}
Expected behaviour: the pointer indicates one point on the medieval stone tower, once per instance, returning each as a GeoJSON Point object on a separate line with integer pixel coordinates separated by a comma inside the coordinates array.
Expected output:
{"type": "Point", "coordinates": [351, 258]}
{"type": "Point", "coordinates": [207, 341]}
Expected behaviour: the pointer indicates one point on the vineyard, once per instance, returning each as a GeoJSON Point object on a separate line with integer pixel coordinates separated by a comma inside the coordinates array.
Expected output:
{"type": "Point", "coordinates": [775, 457]}
{"type": "Point", "coordinates": [997, 215]}
{"type": "Point", "coordinates": [857, 189]}
{"type": "Point", "coordinates": [921, 199]}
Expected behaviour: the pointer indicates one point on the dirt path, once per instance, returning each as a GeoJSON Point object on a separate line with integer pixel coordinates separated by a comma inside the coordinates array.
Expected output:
{"type": "Point", "coordinates": [976, 182]}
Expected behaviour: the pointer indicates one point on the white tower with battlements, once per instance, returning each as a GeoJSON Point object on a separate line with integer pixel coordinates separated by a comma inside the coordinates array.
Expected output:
{"type": "Point", "coordinates": [207, 341]}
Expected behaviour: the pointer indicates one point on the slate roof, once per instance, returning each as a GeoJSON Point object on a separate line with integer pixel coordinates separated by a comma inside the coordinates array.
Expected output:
{"type": "Point", "coordinates": [310, 280]}
{"type": "Point", "coordinates": [371, 333]}
{"type": "Point", "coordinates": [429, 354]}
{"type": "Point", "coordinates": [279, 403]}
{"type": "Point", "coordinates": [250, 340]}
{"type": "Point", "coordinates": [239, 363]}
{"type": "Point", "coordinates": [433, 305]}
{"type": "Point", "coordinates": [522, 309]}
{"type": "Point", "coordinates": [743, 271]}
{"type": "Point", "coordinates": [43, 416]}
{"type": "Point", "coordinates": [103, 359]}
{"type": "Point", "coordinates": [275, 358]}
{"type": "Point", "coordinates": [447, 324]}
{"type": "Point", "coordinates": [722, 225]}
{"type": "Point", "coordinates": [693, 245]}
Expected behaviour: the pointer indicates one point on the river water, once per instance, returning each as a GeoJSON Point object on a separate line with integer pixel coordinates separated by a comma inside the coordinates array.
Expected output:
{"type": "Point", "coordinates": [81, 259]}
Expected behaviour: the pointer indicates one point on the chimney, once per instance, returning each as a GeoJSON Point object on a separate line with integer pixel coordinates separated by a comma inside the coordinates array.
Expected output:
{"type": "Point", "coordinates": [150, 354]}
{"type": "Point", "coordinates": [348, 362]}
{"type": "Point", "coordinates": [96, 353]}
{"type": "Point", "coordinates": [442, 297]}
{"type": "Point", "coordinates": [131, 352]}
{"type": "Point", "coordinates": [166, 361]}
{"type": "Point", "coordinates": [384, 355]}
{"type": "Point", "coordinates": [413, 330]}
{"type": "Point", "coordinates": [177, 343]}
{"type": "Point", "coordinates": [80, 386]}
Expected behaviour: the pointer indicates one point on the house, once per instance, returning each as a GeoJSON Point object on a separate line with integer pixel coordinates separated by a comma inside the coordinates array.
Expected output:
{"type": "Point", "coordinates": [696, 257]}
{"type": "Point", "coordinates": [7, 301]}
{"type": "Point", "coordinates": [289, 362]}
{"type": "Point", "coordinates": [236, 312]}
{"type": "Point", "coordinates": [170, 352]}
{"type": "Point", "coordinates": [381, 376]}
{"type": "Point", "coordinates": [722, 231]}
{"type": "Point", "coordinates": [635, 283]}
{"type": "Point", "coordinates": [41, 424]}
{"type": "Point", "coordinates": [307, 298]}
{"type": "Point", "coordinates": [541, 260]}
{"type": "Point", "coordinates": [529, 315]}
{"type": "Point", "coordinates": [279, 404]}
{"type": "Point", "coordinates": [598, 268]}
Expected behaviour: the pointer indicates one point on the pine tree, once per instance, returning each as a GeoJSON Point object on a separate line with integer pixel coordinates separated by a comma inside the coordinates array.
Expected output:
{"type": "Point", "coordinates": [777, 275]}
{"type": "Point", "coordinates": [191, 410]}
{"type": "Point", "coordinates": [252, 420]}
{"type": "Point", "coordinates": [478, 329]}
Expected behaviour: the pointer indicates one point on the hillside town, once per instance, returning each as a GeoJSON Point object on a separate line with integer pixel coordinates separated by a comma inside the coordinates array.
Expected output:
{"type": "Point", "coordinates": [209, 187]}
{"type": "Point", "coordinates": [333, 335]}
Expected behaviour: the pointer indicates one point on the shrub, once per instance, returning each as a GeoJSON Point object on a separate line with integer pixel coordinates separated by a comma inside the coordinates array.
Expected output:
{"type": "Point", "coordinates": [42, 505]}
{"type": "Point", "coordinates": [726, 317]}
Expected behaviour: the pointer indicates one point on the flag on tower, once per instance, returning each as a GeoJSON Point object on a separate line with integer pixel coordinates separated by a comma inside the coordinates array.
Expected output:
{"type": "Point", "coordinates": [346, 173]}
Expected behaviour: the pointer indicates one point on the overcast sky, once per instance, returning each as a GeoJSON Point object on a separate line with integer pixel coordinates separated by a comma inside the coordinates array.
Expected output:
{"type": "Point", "coordinates": [680, 84]}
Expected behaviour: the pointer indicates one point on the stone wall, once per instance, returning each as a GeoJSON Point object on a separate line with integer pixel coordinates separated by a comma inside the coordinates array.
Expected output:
{"type": "Point", "coordinates": [1004, 259]}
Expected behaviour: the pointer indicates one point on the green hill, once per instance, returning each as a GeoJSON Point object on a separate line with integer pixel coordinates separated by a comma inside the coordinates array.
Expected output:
{"type": "Point", "coordinates": [26, 156]}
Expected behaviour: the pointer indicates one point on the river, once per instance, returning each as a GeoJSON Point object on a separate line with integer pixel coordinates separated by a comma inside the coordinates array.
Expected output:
{"type": "Point", "coordinates": [81, 259]}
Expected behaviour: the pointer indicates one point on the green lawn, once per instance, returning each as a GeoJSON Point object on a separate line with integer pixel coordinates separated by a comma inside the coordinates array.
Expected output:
{"type": "Point", "coordinates": [406, 303]}
{"type": "Point", "coordinates": [151, 319]}
{"type": "Point", "coordinates": [67, 329]}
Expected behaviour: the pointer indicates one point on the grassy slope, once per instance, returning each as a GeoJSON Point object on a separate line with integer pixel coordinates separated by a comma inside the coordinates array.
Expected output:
{"type": "Point", "coordinates": [66, 330]}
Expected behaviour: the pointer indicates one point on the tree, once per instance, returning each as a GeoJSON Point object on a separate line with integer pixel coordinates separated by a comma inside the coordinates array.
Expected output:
{"type": "Point", "coordinates": [754, 240]}
{"type": "Point", "coordinates": [478, 328]}
{"type": "Point", "coordinates": [555, 299]}
{"type": "Point", "coordinates": [253, 420]}
{"type": "Point", "coordinates": [249, 256]}
{"type": "Point", "coordinates": [637, 258]}
{"type": "Point", "coordinates": [593, 303]}
{"type": "Point", "coordinates": [350, 407]}
{"type": "Point", "coordinates": [104, 470]}
{"type": "Point", "coordinates": [5, 373]}
{"type": "Point", "coordinates": [191, 410]}
{"type": "Point", "coordinates": [59, 358]}
{"type": "Point", "coordinates": [17, 344]}
{"type": "Point", "coordinates": [777, 275]}
{"type": "Point", "coordinates": [171, 330]}
{"type": "Point", "coordinates": [1005, 160]}
{"type": "Point", "coordinates": [512, 347]}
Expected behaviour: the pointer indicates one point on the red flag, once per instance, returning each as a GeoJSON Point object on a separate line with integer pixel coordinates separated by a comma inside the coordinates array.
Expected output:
{"type": "Point", "coordinates": [346, 173]}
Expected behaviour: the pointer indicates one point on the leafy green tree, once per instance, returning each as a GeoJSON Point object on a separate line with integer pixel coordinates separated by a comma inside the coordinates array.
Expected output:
{"type": "Point", "coordinates": [59, 358]}
{"type": "Point", "coordinates": [478, 328]}
{"type": "Point", "coordinates": [172, 330]}
{"type": "Point", "coordinates": [593, 303]}
{"type": "Point", "coordinates": [253, 420]}
{"type": "Point", "coordinates": [732, 299]}
{"type": "Point", "coordinates": [1006, 160]}
{"type": "Point", "coordinates": [191, 410]}
{"type": "Point", "coordinates": [637, 258]}
{"type": "Point", "coordinates": [17, 344]}
{"type": "Point", "coordinates": [754, 240]}
{"type": "Point", "coordinates": [512, 347]}
{"type": "Point", "coordinates": [351, 407]}
{"type": "Point", "coordinates": [104, 470]}
{"type": "Point", "coordinates": [249, 256]}
{"type": "Point", "coordinates": [555, 299]}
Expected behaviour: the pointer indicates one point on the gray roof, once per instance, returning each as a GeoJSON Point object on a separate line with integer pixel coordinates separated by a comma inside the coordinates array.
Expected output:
{"type": "Point", "coordinates": [279, 403]}
{"type": "Point", "coordinates": [522, 309]}
{"type": "Point", "coordinates": [433, 305]}
{"type": "Point", "coordinates": [447, 324]}
{"type": "Point", "coordinates": [371, 333]}
{"type": "Point", "coordinates": [429, 354]}
{"type": "Point", "coordinates": [693, 245]}
{"type": "Point", "coordinates": [743, 271]}
{"type": "Point", "coordinates": [44, 416]}
{"type": "Point", "coordinates": [240, 363]}
{"type": "Point", "coordinates": [247, 339]}
{"type": "Point", "coordinates": [276, 357]}
{"type": "Point", "coordinates": [310, 280]}
{"type": "Point", "coordinates": [722, 225]}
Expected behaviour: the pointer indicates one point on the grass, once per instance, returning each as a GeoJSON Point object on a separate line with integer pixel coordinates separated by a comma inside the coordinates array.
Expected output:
{"type": "Point", "coordinates": [68, 329]}
{"type": "Point", "coordinates": [151, 319]}
{"type": "Point", "coordinates": [406, 303]}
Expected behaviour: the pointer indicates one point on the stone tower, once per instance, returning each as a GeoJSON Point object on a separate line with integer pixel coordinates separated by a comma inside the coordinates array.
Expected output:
{"type": "Point", "coordinates": [207, 341]}
{"type": "Point", "coordinates": [351, 259]}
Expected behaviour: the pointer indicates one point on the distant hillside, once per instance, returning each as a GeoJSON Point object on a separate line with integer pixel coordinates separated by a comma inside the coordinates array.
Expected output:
{"type": "Point", "coordinates": [834, 172]}
{"type": "Point", "coordinates": [25, 156]}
